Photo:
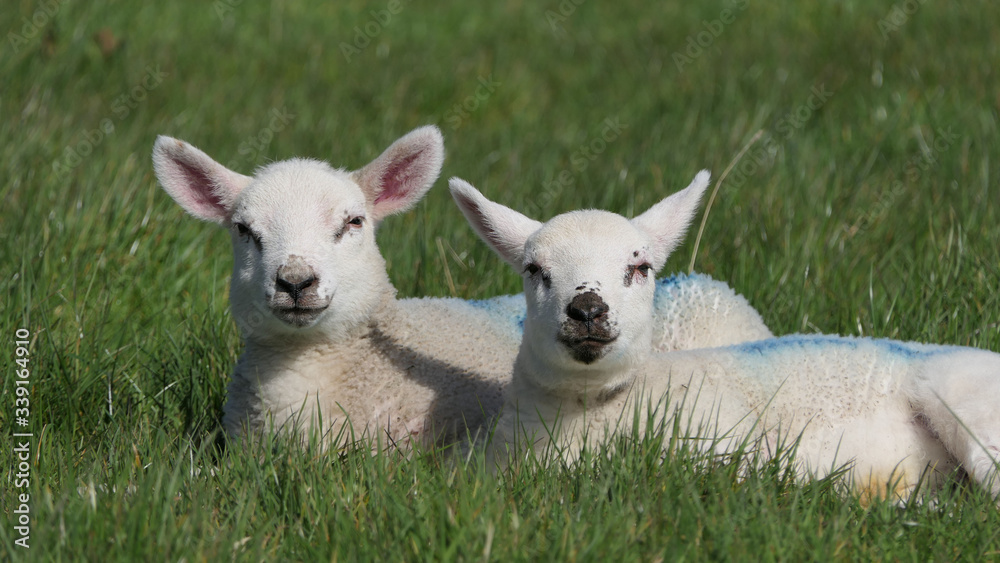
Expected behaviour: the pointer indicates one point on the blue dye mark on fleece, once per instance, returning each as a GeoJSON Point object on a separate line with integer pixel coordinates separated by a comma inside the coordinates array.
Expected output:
{"type": "Point", "coordinates": [670, 281]}
{"type": "Point", "coordinates": [487, 304]}
{"type": "Point", "coordinates": [906, 350]}
{"type": "Point", "coordinates": [508, 309]}
{"type": "Point", "coordinates": [667, 288]}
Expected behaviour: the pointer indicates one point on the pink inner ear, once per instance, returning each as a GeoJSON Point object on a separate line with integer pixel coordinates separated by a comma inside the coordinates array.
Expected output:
{"type": "Point", "coordinates": [396, 180]}
{"type": "Point", "coordinates": [204, 193]}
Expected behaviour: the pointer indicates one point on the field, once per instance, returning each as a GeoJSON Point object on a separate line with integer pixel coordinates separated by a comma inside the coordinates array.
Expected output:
{"type": "Point", "coordinates": [868, 205]}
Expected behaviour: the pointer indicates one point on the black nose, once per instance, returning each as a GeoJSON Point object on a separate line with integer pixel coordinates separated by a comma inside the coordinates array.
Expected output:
{"type": "Point", "coordinates": [294, 287]}
{"type": "Point", "coordinates": [294, 277]}
{"type": "Point", "coordinates": [586, 307]}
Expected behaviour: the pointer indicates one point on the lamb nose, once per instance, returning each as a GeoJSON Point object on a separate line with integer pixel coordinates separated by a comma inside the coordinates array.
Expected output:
{"type": "Point", "coordinates": [294, 277]}
{"type": "Point", "coordinates": [586, 307]}
{"type": "Point", "coordinates": [294, 288]}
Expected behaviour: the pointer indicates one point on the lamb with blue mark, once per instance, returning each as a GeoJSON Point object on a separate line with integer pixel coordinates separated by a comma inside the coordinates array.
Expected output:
{"type": "Point", "coordinates": [327, 346]}
{"type": "Point", "coordinates": [897, 412]}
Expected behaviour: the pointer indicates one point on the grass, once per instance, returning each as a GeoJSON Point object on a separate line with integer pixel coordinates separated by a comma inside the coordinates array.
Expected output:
{"type": "Point", "coordinates": [869, 206]}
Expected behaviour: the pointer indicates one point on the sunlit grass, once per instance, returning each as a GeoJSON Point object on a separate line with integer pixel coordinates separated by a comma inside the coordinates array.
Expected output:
{"type": "Point", "coordinates": [873, 211]}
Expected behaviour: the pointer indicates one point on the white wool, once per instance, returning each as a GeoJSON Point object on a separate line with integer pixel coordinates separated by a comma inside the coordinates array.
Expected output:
{"type": "Point", "coordinates": [585, 367]}
{"type": "Point", "coordinates": [328, 347]}
{"type": "Point", "coordinates": [696, 311]}
{"type": "Point", "coordinates": [890, 409]}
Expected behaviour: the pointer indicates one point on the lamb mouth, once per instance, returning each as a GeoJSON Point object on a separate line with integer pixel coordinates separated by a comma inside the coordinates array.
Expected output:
{"type": "Point", "coordinates": [298, 316]}
{"type": "Point", "coordinates": [593, 339]}
{"type": "Point", "coordinates": [590, 348]}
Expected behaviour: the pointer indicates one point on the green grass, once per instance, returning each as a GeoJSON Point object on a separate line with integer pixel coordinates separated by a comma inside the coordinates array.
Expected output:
{"type": "Point", "coordinates": [875, 212]}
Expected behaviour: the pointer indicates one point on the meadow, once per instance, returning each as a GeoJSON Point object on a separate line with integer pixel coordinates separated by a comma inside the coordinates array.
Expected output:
{"type": "Point", "coordinates": [868, 205]}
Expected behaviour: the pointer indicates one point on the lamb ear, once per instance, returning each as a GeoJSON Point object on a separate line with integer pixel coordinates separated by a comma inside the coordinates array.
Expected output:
{"type": "Point", "coordinates": [667, 221]}
{"type": "Point", "coordinates": [504, 229]}
{"type": "Point", "coordinates": [202, 186]}
{"type": "Point", "coordinates": [401, 175]}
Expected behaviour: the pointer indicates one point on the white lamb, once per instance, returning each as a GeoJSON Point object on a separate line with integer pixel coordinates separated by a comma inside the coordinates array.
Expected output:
{"type": "Point", "coordinates": [585, 368]}
{"type": "Point", "coordinates": [327, 344]}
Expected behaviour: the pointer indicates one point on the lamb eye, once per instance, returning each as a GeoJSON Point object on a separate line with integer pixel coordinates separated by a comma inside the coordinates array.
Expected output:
{"type": "Point", "coordinates": [534, 269]}
{"type": "Point", "coordinates": [350, 224]}
{"type": "Point", "coordinates": [247, 234]}
{"type": "Point", "coordinates": [634, 271]}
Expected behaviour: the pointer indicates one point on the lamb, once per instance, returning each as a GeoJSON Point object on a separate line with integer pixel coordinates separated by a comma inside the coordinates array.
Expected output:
{"type": "Point", "coordinates": [584, 369]}
{"type": "Point", "coordinates": [328, 347]}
